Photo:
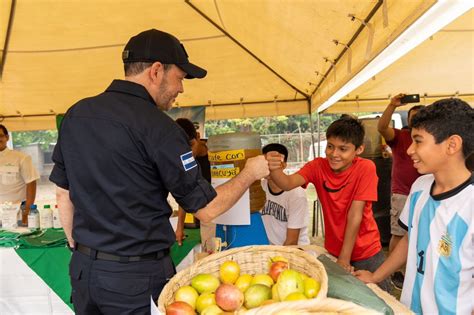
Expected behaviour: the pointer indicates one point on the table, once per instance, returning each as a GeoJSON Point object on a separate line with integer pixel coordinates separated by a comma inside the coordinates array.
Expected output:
{"type": "Point", "coordinates": [397, 306]}
{"type": "Point", "coordinates": [36, 280]}
{"type": "Point", "coordinates": [22, 291]}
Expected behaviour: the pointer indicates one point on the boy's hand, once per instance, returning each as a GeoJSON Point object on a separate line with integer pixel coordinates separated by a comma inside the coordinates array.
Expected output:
{"type": "Point", "coordinates": [275, 160]}
{"type": "Point", "coordinates": [364, 276]}
{"type": "Point", "coordinates": [395, 101]}
{"type": "Point", "coordinates": [345, 265]}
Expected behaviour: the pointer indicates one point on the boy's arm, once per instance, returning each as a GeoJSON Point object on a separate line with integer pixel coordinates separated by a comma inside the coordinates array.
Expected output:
{"type": "Point", "coordinates": [354, 217]}
{"type": "Point", "coordinates": [180, 226]}
{"type": "Point", "coordinates": [383, 125]}
{"type": "Point", "coordinates": [285, 182]}
{"type": "Point", "coordinates": [292, 237]}
{"type": "Point", "coordinates": [394, 262]}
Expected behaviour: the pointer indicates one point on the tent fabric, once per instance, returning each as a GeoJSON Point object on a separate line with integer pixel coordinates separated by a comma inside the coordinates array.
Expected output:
{"type": "Point", "coordinates": [440, 67]}
{"type": "Point", "coordinates": [263, 57]}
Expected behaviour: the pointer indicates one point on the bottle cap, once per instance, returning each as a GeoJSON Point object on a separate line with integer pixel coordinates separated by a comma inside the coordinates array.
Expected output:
{"type": "Point", "coordinates": [32, 207]}
{"type": "Point", "coordinates": [47, 206]}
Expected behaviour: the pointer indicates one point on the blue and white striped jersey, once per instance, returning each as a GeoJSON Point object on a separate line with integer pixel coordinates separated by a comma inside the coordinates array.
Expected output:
{"type": "Point", "coordinates": [440, 263]}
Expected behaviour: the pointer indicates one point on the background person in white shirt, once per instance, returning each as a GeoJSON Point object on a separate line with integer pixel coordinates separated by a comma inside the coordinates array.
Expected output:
{"type": "Point", "coordinates": [285, 214]}
{"type": "Point", "coordinates": [17, 174]}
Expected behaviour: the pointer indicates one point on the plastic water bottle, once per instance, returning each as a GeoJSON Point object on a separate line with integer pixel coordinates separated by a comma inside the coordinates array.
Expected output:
{"type": "Point", "coordinates": [46, 217]}
{"type": "Point", "coordinates": [33, 218]}
{"type": "Point", "coordinates": [56, 221]}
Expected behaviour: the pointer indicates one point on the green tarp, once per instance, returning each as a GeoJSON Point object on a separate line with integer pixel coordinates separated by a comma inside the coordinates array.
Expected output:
{"type": "Point", "coordinates": [45, 253]}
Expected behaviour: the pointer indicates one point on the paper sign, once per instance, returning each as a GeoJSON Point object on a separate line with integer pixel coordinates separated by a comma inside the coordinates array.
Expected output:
{"type": "Point", "coordinates": [226, 172]}
{"type": "Point", "coordinates": [153, 308]}
{"type": "Point", "coordinates": [239, 214]}
{"type": "Point", "coordinates": [226, 156]}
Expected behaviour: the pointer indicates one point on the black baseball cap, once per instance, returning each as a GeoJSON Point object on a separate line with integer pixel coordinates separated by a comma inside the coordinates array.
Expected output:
{"type": "Point", "coordinates": [154, 45]}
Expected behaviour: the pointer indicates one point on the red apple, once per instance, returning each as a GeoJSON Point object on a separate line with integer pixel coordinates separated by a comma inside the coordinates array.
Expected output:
{"type": "Point", "coordinates": [276, 268]}
{"type": "Point", "coordinates": [229, 297]}
{"type": "Point", "coordinates": [180, 308]}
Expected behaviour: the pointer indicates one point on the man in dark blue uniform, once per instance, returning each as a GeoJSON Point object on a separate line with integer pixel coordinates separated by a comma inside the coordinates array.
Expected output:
{"type": "Point", "coordinates": [117, 158]}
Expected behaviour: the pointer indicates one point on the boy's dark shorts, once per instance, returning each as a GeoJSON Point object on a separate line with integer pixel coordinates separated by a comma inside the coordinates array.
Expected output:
{"type": "Point", "coordinates": [371, 264]}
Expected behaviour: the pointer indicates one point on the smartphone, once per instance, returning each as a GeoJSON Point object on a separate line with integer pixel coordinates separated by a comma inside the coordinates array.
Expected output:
{"type": "Point", "coordinates": [410, 98]}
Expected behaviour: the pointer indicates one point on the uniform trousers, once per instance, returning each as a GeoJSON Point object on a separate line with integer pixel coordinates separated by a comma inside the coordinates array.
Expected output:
{"type": "Point", "coordinates": [110, 287]}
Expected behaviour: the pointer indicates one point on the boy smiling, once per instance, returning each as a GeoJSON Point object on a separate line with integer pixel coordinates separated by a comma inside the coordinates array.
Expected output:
{"type": "Point", "coordinates": [346, 185]}
{"type": "Point", "coordinates": [438, 214]}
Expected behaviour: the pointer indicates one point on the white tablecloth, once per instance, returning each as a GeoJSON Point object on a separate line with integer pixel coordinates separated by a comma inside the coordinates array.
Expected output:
{"type": "Point", "coordinates": [22, 291]}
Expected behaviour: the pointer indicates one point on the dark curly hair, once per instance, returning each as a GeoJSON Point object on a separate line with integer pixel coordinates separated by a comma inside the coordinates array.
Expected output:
{"type": "Point", "coordinates": [5, 131]}
{"type": "Point", "coordinates": [280, 148]}
{"type": "Point", "coordinates": [188, 127]}
{"type": "Point", "coordinates": [348, 129]}
{"type": "Point", "coordinates": [447, 117]}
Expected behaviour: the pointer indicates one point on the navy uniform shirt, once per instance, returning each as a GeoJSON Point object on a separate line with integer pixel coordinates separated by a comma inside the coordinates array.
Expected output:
{"type": "Point", "coordinates": [119, 156]}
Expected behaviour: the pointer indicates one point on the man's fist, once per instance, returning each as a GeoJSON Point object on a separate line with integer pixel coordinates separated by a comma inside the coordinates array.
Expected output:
{"type": "Point", "coordinates": [257, 166]}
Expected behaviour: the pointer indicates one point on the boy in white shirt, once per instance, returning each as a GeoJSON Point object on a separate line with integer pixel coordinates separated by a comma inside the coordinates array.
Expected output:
{"type": "Point", "coordinates": [285, 214]}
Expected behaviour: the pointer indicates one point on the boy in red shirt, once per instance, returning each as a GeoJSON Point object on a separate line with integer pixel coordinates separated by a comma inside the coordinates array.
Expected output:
{"type": "Point", "coordinates": [346, 186]}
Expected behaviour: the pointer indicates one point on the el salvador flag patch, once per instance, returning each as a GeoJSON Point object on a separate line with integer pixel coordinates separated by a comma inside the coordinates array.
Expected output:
{"type": "Point", "coordinates": [188, 161]}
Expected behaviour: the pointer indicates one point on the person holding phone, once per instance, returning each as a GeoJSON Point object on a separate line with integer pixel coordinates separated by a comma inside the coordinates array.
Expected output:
{"type": "Point", "coordinates": [403, 172]}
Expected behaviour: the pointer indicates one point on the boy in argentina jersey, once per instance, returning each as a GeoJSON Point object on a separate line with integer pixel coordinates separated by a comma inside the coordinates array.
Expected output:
{"type": "Point", "coordinates": [438, 214]}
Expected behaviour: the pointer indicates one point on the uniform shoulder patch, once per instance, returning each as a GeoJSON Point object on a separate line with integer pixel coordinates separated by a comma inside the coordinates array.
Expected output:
{"type": "Point", "coordinates": [188, 161]}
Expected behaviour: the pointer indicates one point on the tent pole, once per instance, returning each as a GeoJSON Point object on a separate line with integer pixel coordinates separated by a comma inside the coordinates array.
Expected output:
{"type": "Point", "coordinates": [7, 36]}
{"type": "Point", "coordinates": [311, 127]}
{"type": "Point", "coordinates": [233, 39]}
{"type": "Point", "coordinates": [315, 217]}
{"type": "Point", "coordinates": [349, 43]}
{"type": "Point", "coordinates": [319, 133]}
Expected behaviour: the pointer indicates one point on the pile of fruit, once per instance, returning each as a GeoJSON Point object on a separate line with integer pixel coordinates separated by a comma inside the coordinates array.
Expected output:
{"type": "Point", "coordinates": [233, 291]}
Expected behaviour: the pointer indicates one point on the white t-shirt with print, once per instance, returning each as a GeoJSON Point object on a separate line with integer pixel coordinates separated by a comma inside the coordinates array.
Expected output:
{"type": "Point", "coordinates": [440, 262]}
{"type": "Point", "coordinates": [16, 170]}
{"type": "Point", "coordinates": [285, 210]}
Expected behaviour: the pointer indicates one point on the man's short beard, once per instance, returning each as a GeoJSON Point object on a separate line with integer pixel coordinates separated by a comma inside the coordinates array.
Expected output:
{"type": "Point", "coordinates": [162, 93]}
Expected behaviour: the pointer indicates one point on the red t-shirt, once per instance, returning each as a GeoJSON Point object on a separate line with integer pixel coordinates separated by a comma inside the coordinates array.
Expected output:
{"type": "Point", "coordinates": [336, 193]}
{"type": "Point", "coordinates": [403, 172]}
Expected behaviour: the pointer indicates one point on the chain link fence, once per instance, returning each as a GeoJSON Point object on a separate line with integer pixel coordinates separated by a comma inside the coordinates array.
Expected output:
{"type": "Point", "coordinates": [299, 147]}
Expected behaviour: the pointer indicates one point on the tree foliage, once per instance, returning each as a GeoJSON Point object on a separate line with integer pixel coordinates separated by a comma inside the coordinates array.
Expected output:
{"type": "Point", "coordinates": [261, 125]}
{"type": "Point", "coordinates": [43, 137]}
{"type": "Point", "coordinates": [269, 125]}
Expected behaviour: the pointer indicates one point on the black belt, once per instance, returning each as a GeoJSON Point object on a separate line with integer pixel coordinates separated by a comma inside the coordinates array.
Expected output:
{"type": "Point", "coordinates": [95, 254]}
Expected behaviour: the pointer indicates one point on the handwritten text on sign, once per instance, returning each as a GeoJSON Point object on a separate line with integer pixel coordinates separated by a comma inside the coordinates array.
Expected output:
{"type": "Point", "coordinates": [224, 156]}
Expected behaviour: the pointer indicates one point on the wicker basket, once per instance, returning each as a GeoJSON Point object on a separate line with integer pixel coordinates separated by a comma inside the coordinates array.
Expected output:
{"type": "Point", "coordinates": [252, 260]}
{"type": "Point", "coordinates": [324, 306]}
